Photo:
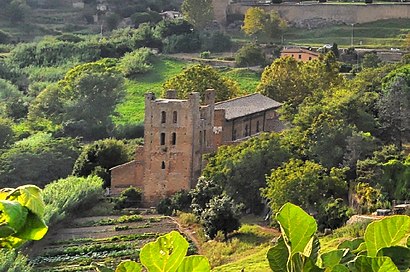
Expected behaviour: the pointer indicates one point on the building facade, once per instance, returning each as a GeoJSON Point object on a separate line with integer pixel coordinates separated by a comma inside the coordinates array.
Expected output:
{"type": "Point", "coordinates": [299, 54]}
{"type": "Point", "coordinates": [178, 132]}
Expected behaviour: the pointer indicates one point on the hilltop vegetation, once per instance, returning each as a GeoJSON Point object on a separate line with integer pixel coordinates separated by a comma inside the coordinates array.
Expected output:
{"type": "Point", "coordinates": [61, 96]}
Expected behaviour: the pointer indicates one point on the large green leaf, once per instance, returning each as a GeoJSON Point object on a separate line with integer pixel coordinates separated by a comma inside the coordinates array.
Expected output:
{"type": "Point", "coordinates": [34, 229]}
{"type": "Point", "coordinates": [12, 217]}
{"type": "Point", "coordinates": [4, 193]}
{"type": "Point", "coordinates": [340, 268]}
{"type": "Point", "coordinates": [399, 255]}
{"type": "Point", "coordinates": [351, 244]}
{"type": "Point", "coordinates": [297, 227]}
{"type": "Point", "coordinates": [312, 249]}
{"type": "Point", "coordinates": [335, 257]}
{"type": "Point", "coordinates": [278, 256]}
{"type": "Point", "coordinates": [303, 263]}
{"type": "Point", "coordinates": [128, 266]}
{"type": "Point", "coordinates": [194, 263]}
{"type": "Point", "coordinates": [30, 197]}
{"type": "Point", "coordinates": [386, 233]}
{"type": "Point", "coordinates": [332, 258]}
{"type": "Point", "coordinates": [373, 264]}
{"type": "Point", "coordinates": [165, 254]}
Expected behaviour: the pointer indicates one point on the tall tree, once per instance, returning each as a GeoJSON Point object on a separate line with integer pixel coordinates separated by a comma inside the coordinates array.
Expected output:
{"type": "Point", "coordinates": [288, 80]}
{"type": "Point", "coordinates": [259, 22]}
{"type": "Point", "coordinates": [85, 99]}
{"type": "Point", "coordinates": [197, 12]}
{"type": "Point", "coordinates": [305, 183]}
{"type": "Point", "coordinates": [199, 78]}
{"type": "Point", "coordinates": [394, 112]}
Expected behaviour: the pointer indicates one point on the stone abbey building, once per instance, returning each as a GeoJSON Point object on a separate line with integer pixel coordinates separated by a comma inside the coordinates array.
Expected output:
{"type": "Point", "coordinates": [178, 132]}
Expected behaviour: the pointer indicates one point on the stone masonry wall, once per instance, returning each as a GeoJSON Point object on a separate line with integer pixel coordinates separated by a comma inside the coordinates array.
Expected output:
{"type": "Point", "coordinates": [302, 14]}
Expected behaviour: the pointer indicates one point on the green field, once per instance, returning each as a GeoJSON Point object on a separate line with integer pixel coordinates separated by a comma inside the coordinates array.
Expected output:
{"type": "Point", "coordinates": [132, 109]}
{"type": "Point", "coordinates": [378, 34]}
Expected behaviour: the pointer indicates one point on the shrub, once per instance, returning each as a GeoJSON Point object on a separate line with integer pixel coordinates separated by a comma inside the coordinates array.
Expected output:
{"type": "Point", "coordinates": [165, 206]}
{"type": "Point", "coordinates": [120, 228]}
{"type": "Point", "coordinates": [167, 28]}
{"type": "Point", "coordinates": [66, 196]}
{"type": "Point", "coordinates": [221, 214]}
{"type": "Point", "coordinates": [137, 62]}
{"type": "Point", "coordinates": [104, 154]}
{"type": "Point", "coordinates": [250, 55]}
{"type": "Point", "coordinates": [181, 201]}
{"type": "Point", "coordinates": [128, 131]}
{"type": "Point", "coordinates": [333, 214]}
{"type": "Point", "coordinates": [185, 43]}
{"type": "Point", "coordinates": [38, 159]}
{"type": "Point", "coordinates": [145, 17]}
{"type": "Point", "coordinates": [216, 42]}
{"type": "Point", "coordinates": [205, 55]}
{"type": "Point", "coordinates": [187, 219]}
{"type": "Point", "coordinates": [130, 197]}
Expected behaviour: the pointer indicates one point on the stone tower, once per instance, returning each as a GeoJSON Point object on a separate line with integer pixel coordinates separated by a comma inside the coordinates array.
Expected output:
{"type": "Point", "coordinates": [177, 133]}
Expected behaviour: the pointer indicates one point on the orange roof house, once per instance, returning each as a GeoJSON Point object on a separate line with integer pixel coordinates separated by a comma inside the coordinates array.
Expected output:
{"type": "Point", "coordinates": [299, 54]}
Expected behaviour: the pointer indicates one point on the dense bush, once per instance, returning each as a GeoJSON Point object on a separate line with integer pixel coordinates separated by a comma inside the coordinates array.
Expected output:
{"type": "Point", "coordinates": [166, 28]}
{"type": "Point", "coordinates": [332, 214]}
{"type": "Point", "coordinates": [137, 62]}
{"type": "Point", "coordinates": [221, 214]}
{"type": "Point", "coordinates": [13, 103]}
{"type": "Point", "coordinates": [99, 157]}
{"type": "Point", "coordinates": [145, 17]}
{"type": "Point", "coordinates": [66, 196]}
{"type": "Point", "coordinates": [250, 55]}
{"type": "Point", "coordinates": [180, 201]}
{"type": "Point", "coordinates": [130, 197]}
{"type": "Point", "coordinates": [215, 42]}
{"type": "Point", "coordinates": [6, 132]}
{"type": "Point", "coordinates": [184, 43]}
{"type": "Point", "coordinates": [165, 206]}
{"type": "Point", "coordinates": [38, 159]}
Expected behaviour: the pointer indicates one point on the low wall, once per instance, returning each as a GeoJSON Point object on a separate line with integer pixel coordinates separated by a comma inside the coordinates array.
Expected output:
{"type": "Point", "coordinates": [344, 13]}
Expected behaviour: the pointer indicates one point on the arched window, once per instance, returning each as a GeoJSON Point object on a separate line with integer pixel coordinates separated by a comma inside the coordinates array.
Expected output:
{"type": "Point", "coordinates": [163, 117]}
{"type": "Point", "coordinates": [162, 139]}
{"type": "Point", "coordinates": [163, 165]}
{"type": "Point", "coordinates": [174, 138]}
{"type": "Point", "coordinates": [175, 117]}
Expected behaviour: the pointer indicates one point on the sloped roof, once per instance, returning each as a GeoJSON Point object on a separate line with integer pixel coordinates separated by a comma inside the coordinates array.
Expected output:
{"type": "Point", "coordinates": [299, 50]}
{"type": "Point", "coordinates": [246, 105]}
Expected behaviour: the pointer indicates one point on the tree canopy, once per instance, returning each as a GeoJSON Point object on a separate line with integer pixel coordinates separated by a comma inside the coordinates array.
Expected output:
{"type": "Point", "coordinates": [197, 12]}
{"type": "Point", "coordinates": [84, 100]}
{"type": "Point", "coordinates": [288, 80]}
{"type": "Point", "coordinates": [258, 22]}
{"type": "Point", "coordinates": [305, 183]}
{"type": "Point", "coordinates": [199, 78]}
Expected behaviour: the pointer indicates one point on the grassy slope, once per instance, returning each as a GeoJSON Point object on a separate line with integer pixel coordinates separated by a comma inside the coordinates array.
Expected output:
{"type": "Point", "coordinates": [132, 109]}
{"type": "Point", "coordinates": [385, 33]}
{"type": "Point", "coordinates": [378, 34]}
{"type": "Point", "coordinates": [257, 261]}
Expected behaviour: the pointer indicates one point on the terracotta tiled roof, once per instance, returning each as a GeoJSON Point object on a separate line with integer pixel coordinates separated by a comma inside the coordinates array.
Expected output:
{"type": "Point", "coordinates": [246, 105]}
{"type": "Point", "coordinates": [299, 50]}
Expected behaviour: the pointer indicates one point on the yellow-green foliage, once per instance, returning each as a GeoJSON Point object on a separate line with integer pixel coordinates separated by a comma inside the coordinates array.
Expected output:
{"type": "Point", "coordinates": [67, 195]}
